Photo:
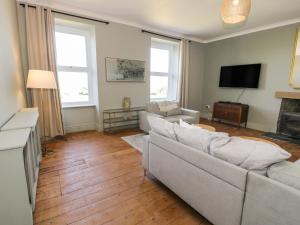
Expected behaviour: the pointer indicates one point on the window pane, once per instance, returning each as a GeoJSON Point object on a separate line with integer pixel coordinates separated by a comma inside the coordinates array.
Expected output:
{"type": "Point", "coordinates": [159, 60]}
{"type": "Point", "coordinates": [73, 86]}
{"type": "Point", "coordinates": [159, 87]}
{"type": "Point", "coordinates": [70, 49]}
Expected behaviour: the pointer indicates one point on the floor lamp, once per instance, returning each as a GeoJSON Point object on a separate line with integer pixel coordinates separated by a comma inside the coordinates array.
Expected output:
{"type": "Point", "coordinates": [42, 80]}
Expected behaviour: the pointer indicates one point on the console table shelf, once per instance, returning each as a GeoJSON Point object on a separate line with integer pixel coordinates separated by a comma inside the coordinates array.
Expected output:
{"type": "Point", "coordinates": [120, 119]}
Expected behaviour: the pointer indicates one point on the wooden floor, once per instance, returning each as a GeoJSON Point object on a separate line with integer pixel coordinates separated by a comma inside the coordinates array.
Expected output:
{"type": "Point", "coordinates": [93, 178]}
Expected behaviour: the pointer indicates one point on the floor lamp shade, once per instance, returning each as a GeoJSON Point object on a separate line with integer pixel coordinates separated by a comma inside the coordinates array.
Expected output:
{"type": "Point", "coordinates": [41, 79]}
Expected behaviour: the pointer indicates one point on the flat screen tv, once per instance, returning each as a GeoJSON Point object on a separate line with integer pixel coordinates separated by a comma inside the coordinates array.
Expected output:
{"type": "Point", "coordinates": [241, 76]}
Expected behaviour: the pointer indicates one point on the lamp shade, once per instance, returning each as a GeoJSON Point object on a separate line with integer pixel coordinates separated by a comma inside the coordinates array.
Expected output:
{"type": "Point", "coordinates": [41, 79]}
{"type": "Point", "coordinates": [235, 11]}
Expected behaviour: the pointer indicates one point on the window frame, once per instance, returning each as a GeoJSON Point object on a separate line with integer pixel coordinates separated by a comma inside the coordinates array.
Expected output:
{"type": "Point", "coordinates": [173, 74]}
{"type": "Point", "coordinates": [85, 31]}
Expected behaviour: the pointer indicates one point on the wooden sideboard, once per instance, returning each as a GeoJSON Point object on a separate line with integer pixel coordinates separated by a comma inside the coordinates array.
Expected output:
{"type": "Point", "coordinates": [231, 112]}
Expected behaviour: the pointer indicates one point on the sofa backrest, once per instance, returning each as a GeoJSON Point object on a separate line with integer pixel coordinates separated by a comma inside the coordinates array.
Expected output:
{"type": "Point", "coordinates": [227, 172]}
{"type": "Point", "coordinates": [269, 202]}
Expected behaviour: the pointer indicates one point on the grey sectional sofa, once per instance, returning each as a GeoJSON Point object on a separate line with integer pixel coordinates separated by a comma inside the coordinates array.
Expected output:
{"type": "Point", "coordinates": [223, 193]}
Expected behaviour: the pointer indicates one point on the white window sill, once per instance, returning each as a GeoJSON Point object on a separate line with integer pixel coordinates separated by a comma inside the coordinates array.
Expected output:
{"type": "Point", "coordinates": [78, 106]}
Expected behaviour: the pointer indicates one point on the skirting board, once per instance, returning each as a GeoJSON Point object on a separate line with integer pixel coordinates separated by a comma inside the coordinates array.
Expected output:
{"type": "Point", "coordinates": [80, 127]}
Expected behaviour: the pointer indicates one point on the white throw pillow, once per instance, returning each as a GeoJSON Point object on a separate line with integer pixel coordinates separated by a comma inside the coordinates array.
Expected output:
{"type": "Point", "coordinates": [167, 106]}
{"type": "Point", "coordinates": [197, 138]}
{"type": "Point", "coordinates": [162, 127]}
{"type": "Point", "coordinates": [187, 125]}
{"type": "Point", "coordinates": [249, 154]}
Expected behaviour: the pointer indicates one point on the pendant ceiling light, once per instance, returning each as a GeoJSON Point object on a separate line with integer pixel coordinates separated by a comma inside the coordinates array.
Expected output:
{"type": "Point", "coordinates": [235, 11]}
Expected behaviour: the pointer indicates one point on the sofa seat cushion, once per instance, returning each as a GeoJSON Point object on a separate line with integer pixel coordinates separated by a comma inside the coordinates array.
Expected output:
{"type": "Point", "coordinates": [176, 119]}
{"type": "Point", "coordinates": [287, 173]}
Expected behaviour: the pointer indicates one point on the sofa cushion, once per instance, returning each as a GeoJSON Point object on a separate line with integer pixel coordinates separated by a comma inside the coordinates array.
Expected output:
{"type": "Point", "coordinates": [183, 123]}
{"type": "Point", "coordinates": [165, 106]}
{"type": "Point", "coordinates": [286, 172]}
{"type": "Point", "coordinates": [199, 138]}
{"type": "Point", "coordinates": [153, 107]}
{"type": "Point", "coordinates": [171, 108]}
{"type": "Point", "coordinates": [162, 127]}
{"type": "Point", "coordinates": [194, 126]}
{"type": "Point", "coordinates": [174, 112]}
{"type": "Point", "coordinates": [249, 154]}
{"type": "Point", "coordinates": [173, 119]}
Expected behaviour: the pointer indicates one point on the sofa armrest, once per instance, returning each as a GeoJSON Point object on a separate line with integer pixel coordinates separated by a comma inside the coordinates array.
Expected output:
{"type": "Point", "coordinates": [143, 120]}
{"type": "Point", "coordinates": [146, 152]}
{"type": "Point", "coordinates": [193, 113]}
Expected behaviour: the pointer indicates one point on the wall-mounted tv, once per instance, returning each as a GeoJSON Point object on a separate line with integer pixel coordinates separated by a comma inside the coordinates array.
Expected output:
{"type": "Point", "coordinates": [241, 76]}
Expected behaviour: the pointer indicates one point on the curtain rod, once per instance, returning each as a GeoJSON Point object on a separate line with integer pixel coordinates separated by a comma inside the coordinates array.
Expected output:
{"type": "Point", "coordinates": [69, 14]}
{"type": "Point", "coordinates": [162, 35]}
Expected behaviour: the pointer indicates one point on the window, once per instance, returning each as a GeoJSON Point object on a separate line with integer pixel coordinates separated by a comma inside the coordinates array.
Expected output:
{"type": "Point", "coordinates": [164, 78]}
{"type": "Point", "coordinates": [73, 53]}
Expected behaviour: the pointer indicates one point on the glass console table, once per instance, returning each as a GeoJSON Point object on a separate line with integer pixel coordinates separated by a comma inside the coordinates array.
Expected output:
{"type": "Point", "coordinates": [120, 119]}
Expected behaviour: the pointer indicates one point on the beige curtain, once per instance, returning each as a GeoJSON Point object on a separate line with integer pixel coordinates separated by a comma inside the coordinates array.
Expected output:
{"type": "Point", "coordinates": [39, 34]}
{"type": "Point", "coordinates": [184, 69]}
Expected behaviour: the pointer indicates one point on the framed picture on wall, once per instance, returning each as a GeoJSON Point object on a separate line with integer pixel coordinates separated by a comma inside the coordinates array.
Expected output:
{"type": "Point", "coordinates": [124, 70]}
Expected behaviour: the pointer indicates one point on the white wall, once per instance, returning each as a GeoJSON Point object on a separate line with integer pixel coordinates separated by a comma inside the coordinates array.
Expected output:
{"type": "Point", "coordinates": [12, 96]}
{"type": "Point", "coordinates": [272, 48]}
{"type": "Point", "coordinates": [80, 119]}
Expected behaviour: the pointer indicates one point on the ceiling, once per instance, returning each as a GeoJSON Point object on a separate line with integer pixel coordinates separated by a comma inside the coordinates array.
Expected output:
{"type": "Point", "coordinates": [195, 19]}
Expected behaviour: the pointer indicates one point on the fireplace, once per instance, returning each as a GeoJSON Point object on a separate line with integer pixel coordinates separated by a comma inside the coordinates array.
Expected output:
{"type": "Point", "coordinates": [288, 125]}
{"type": "Point", "coordinates": [289, 118]}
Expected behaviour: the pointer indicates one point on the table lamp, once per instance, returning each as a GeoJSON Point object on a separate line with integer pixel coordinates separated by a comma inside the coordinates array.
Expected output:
{"type": "Point", "coordinates": [41, 79]}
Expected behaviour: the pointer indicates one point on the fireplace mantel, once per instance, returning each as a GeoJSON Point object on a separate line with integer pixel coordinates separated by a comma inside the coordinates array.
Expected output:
{"type": "Point", "coordinates": [288, 95]}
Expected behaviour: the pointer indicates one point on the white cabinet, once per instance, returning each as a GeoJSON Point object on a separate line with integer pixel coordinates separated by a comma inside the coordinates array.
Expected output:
{"type": "Point", "coordinates": [15, 205]}
{"type": "Point", "coordinates": [20, 155]}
